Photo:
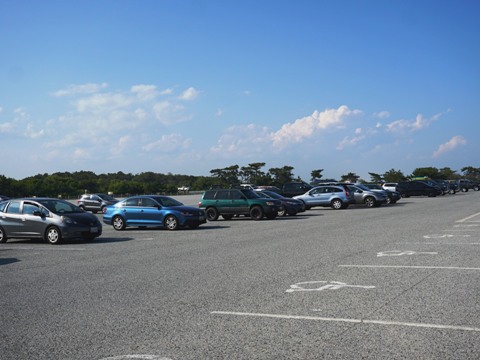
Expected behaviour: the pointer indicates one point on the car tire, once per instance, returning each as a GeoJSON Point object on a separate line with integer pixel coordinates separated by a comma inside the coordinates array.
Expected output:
{"type": "Point", "coordinates": [118, 223]}
{"type": "Point", "coordinates": [212, 214]}
{"type": "Point", "coordinates": [369, 201]}
{"type": "Point", "coordinates": [171, 223]}
{"type": "Point", "coordinates": [464, 190]}
{"type": "Point", "coordinates": [82, 207]}
{"type": "Point", "coordinates": [336, 204]}
{"type": "Point", "coordinates": [389, 200]}
{"type": "Point", "coordinates": [256, 213]}
{"type": "Point", "coordinates": [476, 187]}
{"type": "Point", "coordinates": [282, 213]}
{"type": "Point", "coordinates": [53, 235]}
{"type": "Point", "coordinates": [3, 236]}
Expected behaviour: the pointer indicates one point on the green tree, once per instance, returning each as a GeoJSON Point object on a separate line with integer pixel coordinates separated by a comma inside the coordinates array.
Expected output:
{"type": "Point", "coordinates": [471, 172]}
{"type": "Point", "coordinates": [350, 177]}
{"type": "Point", "coordinates": [281, 175]}
{"type": "Point", "coordinates": [375, 178]}
{"type": "Point", "coordinates": [393, 175]}
{"type": "Point", "coordinates": [316, 174]}
{"type": "Point", "coordinates": [447, 174]}
{"type": "Point", "coordinates": [430, 172]}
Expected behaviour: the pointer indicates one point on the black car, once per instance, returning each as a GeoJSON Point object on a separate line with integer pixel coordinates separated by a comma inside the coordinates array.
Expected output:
{"type": "Point", "coordinates": [290, 206]}
{"type": "Point", "coordinates": [418, 188]}
{"type": "Point", "coordinates": [295, 188]}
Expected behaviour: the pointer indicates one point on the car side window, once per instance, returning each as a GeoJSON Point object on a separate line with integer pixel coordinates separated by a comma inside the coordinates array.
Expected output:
{"type": "Point", "coordinates": [235, 195]}
{"type": "Point", "coordinates": [147, 202]}
{"type": "Point", "coordinates": [14, 207]}
{"type": "Point", "coordinates": [29, 209]}
{"type": "Point", "coordinates": [131, 202]}
{"type": "Point", "coordinates": [222, 194]}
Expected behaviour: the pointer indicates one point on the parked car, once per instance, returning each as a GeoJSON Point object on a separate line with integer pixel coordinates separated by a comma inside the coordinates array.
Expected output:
{"type": "Point", "coordinates": [49, 219]}
{"type": "Point", "coordinates": [152, 211]}
{"type": "Point", "coordinates": [392, 186]}
{"type": "Point", "coordinates": [295, 188]}
{"type": "Point", "coordinates": [335, 196]}
{"type": "Point", "coordinates": [392, 196]}
{"type": "Point", "coordinates": [364, 195]}
{"type": "Point", "coordinates": [465, 184]}
{"type": "Point", "coordinates": [446, 187]}
{"type": "Point", "coordinates": [231, 202]}
{"type": "Point", "coordinates": [3, 197]}
{"type": "Point", "coordinates": [290, 206]}
{"type": "Point", "coordinates": [95, 202]}
{"type": "Point", "coordinates": [417, 188]}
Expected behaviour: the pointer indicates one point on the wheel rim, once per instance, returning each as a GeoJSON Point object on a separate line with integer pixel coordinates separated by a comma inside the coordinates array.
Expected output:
{"type": "Point", "coordinates": [171, 223]}
{"type": "Point", "coordinates": [282, 213]}
{"type": "Point", "coordinates": [211, 214]}
{"type": "Point", "coordinates": [118, 223]}
{"type": "Point", "coordinates": [369, 202]}
{"type": "Point", "coordinates": [53, 236]}
{"type": "Point", "coordinates": [256, 213]}
{"type": "Point", "coordinates": [3, 237]}
{"type": "Point", "coordinates": [337, 204]}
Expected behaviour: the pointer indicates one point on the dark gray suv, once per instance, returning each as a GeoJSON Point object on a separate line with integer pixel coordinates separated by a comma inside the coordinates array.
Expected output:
{"type": "Point", "coordinates": [95, 202]}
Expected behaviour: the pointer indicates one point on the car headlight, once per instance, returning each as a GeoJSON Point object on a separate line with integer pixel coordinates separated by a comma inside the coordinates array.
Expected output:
{"type": "Point", "coordinates": [67, 220]}
{"type": "Point", "coordinates": [270, 203]}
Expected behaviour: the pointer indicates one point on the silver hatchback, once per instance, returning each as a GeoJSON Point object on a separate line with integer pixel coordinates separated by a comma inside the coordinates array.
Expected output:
{"type": "Point", "coordinates": [336, 196]}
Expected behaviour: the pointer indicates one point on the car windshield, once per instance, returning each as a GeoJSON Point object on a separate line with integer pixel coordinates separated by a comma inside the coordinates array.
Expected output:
{"type": "Point", "coordinates": [271, 194]}
{"type": "Point", "coordinates": [374, 186]}
{"type": "Point", "coordinates": [60, 207]}
{"type": "Point", "coordinates": [363, 187]}
{"type": "Point", "coordinates": [167, 201]}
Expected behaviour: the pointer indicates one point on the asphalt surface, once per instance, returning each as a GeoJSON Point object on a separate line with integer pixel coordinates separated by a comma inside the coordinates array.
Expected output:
{"type": "Point", "coordinates": [395, 282]}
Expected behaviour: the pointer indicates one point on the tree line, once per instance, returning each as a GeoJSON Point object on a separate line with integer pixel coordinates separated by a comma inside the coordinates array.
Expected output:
{"type": "Point", "coordinates": [72, 185]}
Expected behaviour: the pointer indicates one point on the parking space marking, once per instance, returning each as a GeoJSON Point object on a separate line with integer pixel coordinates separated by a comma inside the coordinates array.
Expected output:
{"type": "Point", "coordinates": [354, 321]}
{"type": "Point", "coordinates": [438, 243]}
{"type": "Point", "coordinates": [442, 236]}
{"type": "Point", "coordinates": [405, 252]}
{"type": "Point", "coordinates": [49, 248]}
{"type": "Point", "coordinates": [469, 217]}
{"type": "Point", "coordinates": [333, 285]}
{"type": "Point", "coordinates": [412, 267]}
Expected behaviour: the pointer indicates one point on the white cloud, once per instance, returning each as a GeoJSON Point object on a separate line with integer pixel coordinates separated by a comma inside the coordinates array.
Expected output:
{"type": "Point", "coordinates": [382, 114]}
{"type": "Point", "coordinates": [243, 140]}
{"type": "Point", "coordinates": [144, 92]}
{"type": "Point", "coordinates": [419, 123]}
{"type": "Point", "coordinates": [308, 126]}
{"type": "Point", "coordinates": [89, 88]}
{"type": "Point", "coordinates": [450, 145]}
{"type": "Point", "coordinates": [168, 143]}
{"type": "Point", "coordinates": [189, 94]}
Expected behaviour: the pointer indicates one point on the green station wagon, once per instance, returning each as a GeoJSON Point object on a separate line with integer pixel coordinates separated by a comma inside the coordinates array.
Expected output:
{"type": "Point", "coordinates": [231, 202]}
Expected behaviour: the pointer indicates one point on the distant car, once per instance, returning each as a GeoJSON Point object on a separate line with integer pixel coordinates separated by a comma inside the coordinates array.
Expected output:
{"type": "Point", "coordinates": [392, 186]}
{"type": "Point", "coordinates": [290, 206]}
{"type": "Point", "coordinates": [152, 211]}
{"type": "Point", "coordinates": [369, 197]}
{"type": "Point", "coordinates": [295, 188]}
{"type": "Point", "coordinates": [393, 196]}
{"type": "Point", "coordinates": [465, 184]}
{"type": "Point", "coordinates": [417, 188]}
{"type": "Point", "coordinates": [335, 196]}
{"type": "Point", "coordinates": [95, 202]}
{"type": "Point", "coordinates": [46, 218]}
{"type": "Point", "coordinates": [233, 202]}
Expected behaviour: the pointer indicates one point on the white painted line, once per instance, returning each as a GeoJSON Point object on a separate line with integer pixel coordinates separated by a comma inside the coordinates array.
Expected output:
{"type": "Point", "coordinates": [405, 252]}
{"type": "Point", "coordinates": [333, 285]}
{"type": "Point", "coordinates": [468, 218]}
{"type": "Point", "coordinates": [439, 243]}
{"type": "Point", "coordinates": [48, 247]}
{"type": "Point", "coordinates": [443, 236]}
{"type": "Point", "coordinates": [354, 321]}
{"type": "Point", "coordinates": [412, 267]}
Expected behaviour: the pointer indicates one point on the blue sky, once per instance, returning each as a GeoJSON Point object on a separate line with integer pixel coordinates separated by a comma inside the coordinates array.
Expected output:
{"type": "Point", "coordinates": [185, 87]}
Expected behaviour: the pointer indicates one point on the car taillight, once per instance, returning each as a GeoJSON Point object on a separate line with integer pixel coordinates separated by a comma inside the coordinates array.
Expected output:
{"type": "Point", "coordinates": [348, 194]}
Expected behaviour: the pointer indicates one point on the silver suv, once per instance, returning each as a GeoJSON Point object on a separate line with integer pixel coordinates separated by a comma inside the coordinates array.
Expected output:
{"type": "Point", "coordinates": [335, 196]}
{"type": "Point", "coordinates": [365, 195]}
{"type": "Point", "coordinates": [95, 202]}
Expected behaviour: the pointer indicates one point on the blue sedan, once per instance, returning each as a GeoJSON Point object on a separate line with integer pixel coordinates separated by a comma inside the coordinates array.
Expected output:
{"type": "Point", "coordinates": [152, 210]}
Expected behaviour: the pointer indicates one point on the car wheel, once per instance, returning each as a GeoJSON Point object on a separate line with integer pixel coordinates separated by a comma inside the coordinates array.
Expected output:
{"type": "Point", "coordinates": [53, 235]}
{"type": "Point", "coordinates": [211, 213]}
{"type": "Point", "coordinates": [476, 188]}
{"type": "Point", "coordinates": [171, 222]}
{"type": "Point", "coordinates": [118, 223]}
{"type": "Point", "coordinates": [282, 212]}
{"type": "Point", "coordinates": [3, 236]}
{"type": "Point", "coordinates": [369, 201]}
{"type": "Point", "coordinates": [256, 213]}
{"type": "Point", "coordinates": [389, 200]}
{"type": "Point", "coordinates": [82, 207]}
{"type": "Point", "coordinates": [336, 204]}
{"type": "Point", "coordinates": [228, 216]}
{"type": "Point", "coordinates": [464, 190]}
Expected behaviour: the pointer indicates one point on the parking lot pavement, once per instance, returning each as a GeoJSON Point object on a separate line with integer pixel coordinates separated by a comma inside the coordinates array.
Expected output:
{"type": "Point", "coordinates": [400, 281]}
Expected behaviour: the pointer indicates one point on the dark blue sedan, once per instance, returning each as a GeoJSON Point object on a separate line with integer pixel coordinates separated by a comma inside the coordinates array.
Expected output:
{"type": "Point", "coordinates": [152, 210]}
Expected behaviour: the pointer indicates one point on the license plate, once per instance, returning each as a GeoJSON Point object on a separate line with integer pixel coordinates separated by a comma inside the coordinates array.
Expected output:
{"type": "Point", "coordinates": [94, 229]}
